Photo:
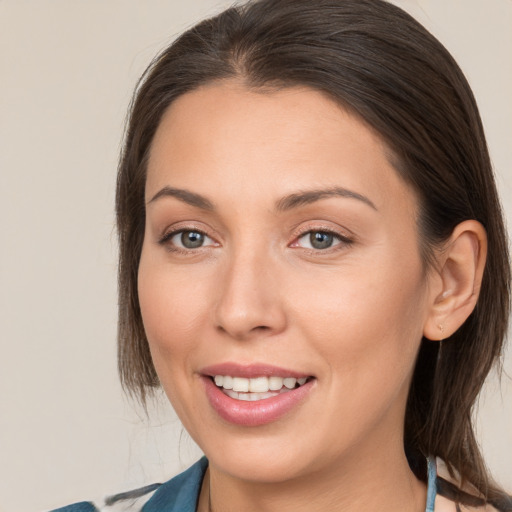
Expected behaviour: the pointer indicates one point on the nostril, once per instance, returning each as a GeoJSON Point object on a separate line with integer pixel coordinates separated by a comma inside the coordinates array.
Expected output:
{"type": "Point", "coordinates": [241, 333]}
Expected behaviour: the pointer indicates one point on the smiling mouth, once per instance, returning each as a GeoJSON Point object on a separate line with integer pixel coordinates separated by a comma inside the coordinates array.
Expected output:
{"type": "Point", "coordinates": [257, 388]}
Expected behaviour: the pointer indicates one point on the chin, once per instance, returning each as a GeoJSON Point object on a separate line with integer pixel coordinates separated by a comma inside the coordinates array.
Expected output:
{"type": "Point", "coordinates": [266, 455]}
{"type": "Point", "coordinates": [263, 466]}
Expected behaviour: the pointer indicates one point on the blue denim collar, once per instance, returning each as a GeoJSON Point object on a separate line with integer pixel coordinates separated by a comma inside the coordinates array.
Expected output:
{"type": "Point", "coordinates": [181, 493]}
{"type": "Point", "coordinates": [432, 484]}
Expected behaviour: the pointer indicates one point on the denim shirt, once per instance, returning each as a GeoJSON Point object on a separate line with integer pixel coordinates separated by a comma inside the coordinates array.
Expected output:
{"type": "Point", "coordinates": [181, 494]}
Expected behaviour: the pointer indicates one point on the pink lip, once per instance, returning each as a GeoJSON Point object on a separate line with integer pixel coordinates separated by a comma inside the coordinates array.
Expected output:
{"type": "Point", "coordinates": [250, 370]}
{"type": "Point", "coordinates": [260, 412]}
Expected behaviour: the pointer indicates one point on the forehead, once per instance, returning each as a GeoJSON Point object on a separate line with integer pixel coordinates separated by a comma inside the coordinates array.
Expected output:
{"type": "Point", "coordinates": [225, 136]}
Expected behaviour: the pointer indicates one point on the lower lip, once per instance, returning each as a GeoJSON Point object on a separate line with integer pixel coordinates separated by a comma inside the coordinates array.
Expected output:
{"type": "Point", "coordinates": [259, 412]}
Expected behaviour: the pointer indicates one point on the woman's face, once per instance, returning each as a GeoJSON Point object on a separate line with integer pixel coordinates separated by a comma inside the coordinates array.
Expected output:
{"type": "Point", "coordinates": [280, 244]}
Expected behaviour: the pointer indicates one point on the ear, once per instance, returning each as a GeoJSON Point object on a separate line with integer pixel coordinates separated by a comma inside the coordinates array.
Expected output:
{"type": "Point", "coordinates": [456, 285]}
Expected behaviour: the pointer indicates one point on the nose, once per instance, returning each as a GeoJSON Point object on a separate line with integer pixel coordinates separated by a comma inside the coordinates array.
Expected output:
{"type": "Point", "coordinates": [250, 303]}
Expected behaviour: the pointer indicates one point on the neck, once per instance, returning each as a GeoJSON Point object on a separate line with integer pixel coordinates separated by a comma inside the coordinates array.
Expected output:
{"type": "Point", "coordinates": [384, 484]}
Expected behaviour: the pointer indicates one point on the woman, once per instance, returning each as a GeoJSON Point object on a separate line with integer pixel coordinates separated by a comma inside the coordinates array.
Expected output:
{"type": "Point", "coordinates": [313, 263]}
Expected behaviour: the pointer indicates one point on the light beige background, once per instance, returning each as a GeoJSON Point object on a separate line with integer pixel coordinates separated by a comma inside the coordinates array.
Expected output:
{"type": "Point", "coordinates": [67, 69]}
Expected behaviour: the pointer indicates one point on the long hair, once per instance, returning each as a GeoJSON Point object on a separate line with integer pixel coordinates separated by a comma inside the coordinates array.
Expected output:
{"type": "Point", "coordinates": [383, 66]}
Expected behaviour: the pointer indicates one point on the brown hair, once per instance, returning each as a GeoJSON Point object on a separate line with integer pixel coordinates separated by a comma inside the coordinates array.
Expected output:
{"type": "Point", "coordinates": [377, 61]}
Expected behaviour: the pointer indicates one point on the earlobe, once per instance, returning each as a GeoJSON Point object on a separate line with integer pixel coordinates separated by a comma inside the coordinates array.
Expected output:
{"type": "Point", "coordinates": [460, 270]}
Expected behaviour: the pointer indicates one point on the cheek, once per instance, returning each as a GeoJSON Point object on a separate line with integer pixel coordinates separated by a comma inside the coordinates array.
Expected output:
{"type": "Point", "coordinates": [368, 332]}
{"type": "Point", "coordinates": [172, 312]}
{"type": "Point", "coordinates": [367, 321]}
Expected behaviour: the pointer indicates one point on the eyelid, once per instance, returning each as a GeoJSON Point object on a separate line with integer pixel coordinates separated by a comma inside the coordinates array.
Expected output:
{"type": "Point", "coordinates": [343, 237]}
{"type": "Point", "coordinates": [172, 231]}
{"type": "Point", "coordinates": [343, 233]}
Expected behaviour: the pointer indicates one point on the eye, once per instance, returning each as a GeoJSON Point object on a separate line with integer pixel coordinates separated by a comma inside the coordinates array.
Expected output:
{"type": "Point", "coordinates": [187, 239]}
{"type": "Point", "coordinates": [320, 240]}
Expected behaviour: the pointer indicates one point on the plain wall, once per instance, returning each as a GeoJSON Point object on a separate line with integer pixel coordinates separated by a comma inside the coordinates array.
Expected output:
{"type": "Point", "coordinates": [67, 70]}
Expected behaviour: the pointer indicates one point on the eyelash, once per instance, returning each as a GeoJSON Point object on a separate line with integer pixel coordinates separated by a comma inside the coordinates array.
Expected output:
{"type": "Point", "coordinates": [168, 236]}
{"type": "Point", "coordinates": [343, 240]}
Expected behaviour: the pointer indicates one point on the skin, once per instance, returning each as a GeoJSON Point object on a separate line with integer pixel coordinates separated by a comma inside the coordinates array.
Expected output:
{"type": "Point", "coordinates": [351, 315]}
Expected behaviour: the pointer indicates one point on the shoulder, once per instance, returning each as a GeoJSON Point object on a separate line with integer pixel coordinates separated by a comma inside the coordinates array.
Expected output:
{"type": "Point", "coordinates": [448, 486]}
{"type": "Point", "coordinates": [133, 500]}
{"type": "Point", "coordinates": [176, 495]}
{"type": "Point", "coordinates": [445, 505]}
{"type": "Point", "coordinates": [83, 506]}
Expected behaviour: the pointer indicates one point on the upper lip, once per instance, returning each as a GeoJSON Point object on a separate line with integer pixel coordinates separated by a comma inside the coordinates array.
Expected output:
{"type": "Point", "coordinates": [250, 370]}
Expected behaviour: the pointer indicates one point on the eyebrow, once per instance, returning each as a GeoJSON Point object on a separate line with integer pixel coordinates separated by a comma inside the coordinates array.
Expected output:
{"type": "Point", "coordinates": [186, 196]}
{"type": "Point", "coordinates": [310, 196]}
{"type": "Point", "coordinates": [286, 203]}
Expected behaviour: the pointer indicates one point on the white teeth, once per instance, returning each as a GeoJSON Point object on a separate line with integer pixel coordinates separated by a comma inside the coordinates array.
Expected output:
{"type": "Point", "coordinates": [228, 382]}
{"type": "Point", "coordinates": [258, 385]}
{"type": "Point", "coordinates": [253, 389]}
{"type": "Point", "coordinates": [252, 397]}
{"type": "Point", "coordinates": [290, 382]}
{"type": "Point", "coordinates": [240, 384]}
{"type": "Point", "coordinates": [275, 383]}
{"type": "Point", "coordinates": [231, 393]}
